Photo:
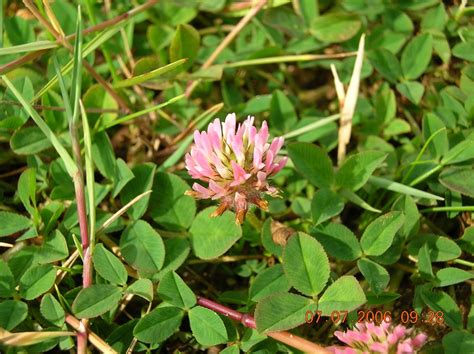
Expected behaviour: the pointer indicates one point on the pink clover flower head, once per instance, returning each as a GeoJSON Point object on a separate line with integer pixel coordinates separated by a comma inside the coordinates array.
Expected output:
{"type": "Point", "coordinates": [384, 339]}
{"type": "Point", "coordinates": [235, 161]}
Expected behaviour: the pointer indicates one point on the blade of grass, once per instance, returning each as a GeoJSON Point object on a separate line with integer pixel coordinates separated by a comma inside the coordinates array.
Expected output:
{"type": "Point", "coordinates": [401, 188]}
{"type": "Point", "coordinates": [77, 70]}
{"type": "Point", "coordinates": [341, 93]}
{"type": "Point", "coordinates": [287, 59]}
{"type": "Point", "coordinates": [150, 75]}
{"type": "Point", "coordinates": [312, 126]}
{"type": "Point", "coordinates": [426, 175]}
{"type": "Point", "coordinates": [349, 103]}
{"type": "Point", "coordinates": [420, 154]}
{"type": "Point", "coordinates": [89, 174]}
{"type": "Point", "coordinates": [448, 208]}
{"type": "Point", "coordinates": [62, 86]}
{"type": "Point", "coordinates": [140, 113]}
{"type": "Point", "coordinates": [354, 198]}
{"type": "Point", "coordinates": [78, 178]}
{"type": "Point", "coordinates": [201, 121]}
{"type": "Point", "coordinates": [29, 338]}
{"type": "Point", "coordinates": [67, 159]}
{"type": "Point", "coordinates": [121, 211]}
{"type": "Point", "coordinates": [52, 17]}
{"type": "Point", "coordinates": [29, 47]}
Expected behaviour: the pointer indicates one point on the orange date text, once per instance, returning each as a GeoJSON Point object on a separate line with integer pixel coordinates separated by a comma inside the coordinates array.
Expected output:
{"type": "Point", "coordinates": [317, 316]}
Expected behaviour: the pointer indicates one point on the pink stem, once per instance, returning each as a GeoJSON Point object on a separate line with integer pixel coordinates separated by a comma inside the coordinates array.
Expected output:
{"type": "Point", "coordinates": [82, 334]}
{"type": "Point", "coordinates": [248, 321]}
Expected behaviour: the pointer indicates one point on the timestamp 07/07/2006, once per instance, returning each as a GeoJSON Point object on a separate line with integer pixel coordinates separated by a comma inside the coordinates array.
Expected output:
{"type": "Point", "coordinates": [405, 317]}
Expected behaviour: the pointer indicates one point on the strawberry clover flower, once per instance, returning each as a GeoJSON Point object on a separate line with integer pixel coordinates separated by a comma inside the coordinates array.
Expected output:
{"type": "Point", "coordinates": [384, 339]}
{"type": "Point", "coordinates": [235, 161]}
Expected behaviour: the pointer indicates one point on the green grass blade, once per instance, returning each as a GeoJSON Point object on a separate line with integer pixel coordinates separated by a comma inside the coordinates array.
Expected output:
{"type": "Point", "coordinates": [401, 188]}
{"type": "Point", "coordinates": [312, 126]}
{"type": "Point", "coordinates": [120, 212]}
{"type": "Point", "coordinates": [150, 75]}
{"type": "Point", "coordinates": [202, 121]}
{"type": "Point", "coordinates": [142, 112]}
{"type": "Point", "coordinates": [286, 59]}
{"type": "Point", "coordinates": [89, 173]}
{"type": "Point", "coordinates": [77, 68]}
{"type": "Point", "coordinates": [354, 198]}
{"type": "Point", "coordinates": [449, 208]}
{"type": "Point", "coordinates": [67, 159]}
{"type": "Point", "coordinates": [88, 49]}
{"type": "Point", "coordinates": [62, 86]}
{"type": "Point", "coordinates": [29, 47]}
{"type": "Point", "coordinates": [420, 154]}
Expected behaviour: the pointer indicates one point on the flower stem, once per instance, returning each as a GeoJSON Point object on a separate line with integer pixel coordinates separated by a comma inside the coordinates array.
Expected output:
{"type": "Point", "coordinates": [464, 262]}
{"type": "Point", "coordinates": [248, 321]}
{"type": "Point", "coordinates": [78, 179]}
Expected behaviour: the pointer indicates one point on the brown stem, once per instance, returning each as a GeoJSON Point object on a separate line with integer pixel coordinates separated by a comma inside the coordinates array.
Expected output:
{"type": "Point", "coordinates": [21, 60]}
{"type": "Point", "coordinates": [82, 335]}
{"type": "Point", "coordinates": [248, 321]}
{"type": "Point", "coordinates": [60, 109]}
{"type": "Point", "coordinates": [115, 20]}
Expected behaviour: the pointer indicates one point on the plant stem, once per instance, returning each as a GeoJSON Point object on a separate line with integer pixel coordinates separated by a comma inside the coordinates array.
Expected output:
{"type": "Point", "coordinates": [287, 59]}
{"type": "Point", "coordinates": [464, 262]}
{"type": "Point", "coordinates": [227, 259]}
{"type": "Point", "coordinates": [82, 335]}
{"type": "Point", "coordinates": [248, 321]}
{"type": "Point", "coordinates": [449, 208]}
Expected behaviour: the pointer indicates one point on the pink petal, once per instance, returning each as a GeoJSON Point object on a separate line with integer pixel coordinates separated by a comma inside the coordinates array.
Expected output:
{"type": "Point", "coordinates": [392, 339]}
{"type": "Point", "coordinates": [219, 190]}
{"type": "Point", "coordinates": [405, 348]}
{"type": "Point", "coordinates": [257, 159]}
{"type": "Point", "coordinates": [419, 340]}
{"type": "Point", "coordinates": [261, 179]}
{"type": "Point", "coordinates": [263, 133]}
{"type": "Point", "coordinates": [276, 145]}
{"type": "Point", "coordinates": [248, 126]}
{"type": "Point", "coordinates": [203, 192]}
{"type": "Point", "coordinates": [251, 136]}
{"type": "Point", "coordinates": [238, 148]}
{"type": "Point", "coordinates": [268, 160]}
{"type": "Point", "coordinates": [240, 176]}
{"type": "Point", "coordinates": [202, 164]}
{"type": "Point", "coordinates": [344, 337]}
{"type": "Point", "coordinates": [206, 143]}
{"type": "Point", "coordinates": [240, 201]}
{"type": "Point", "coordinates": [399, 331]}
{"type": "Point", "coordinates": [279, 165]}
{"type": "Point", "coordinates": [228, 127]}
